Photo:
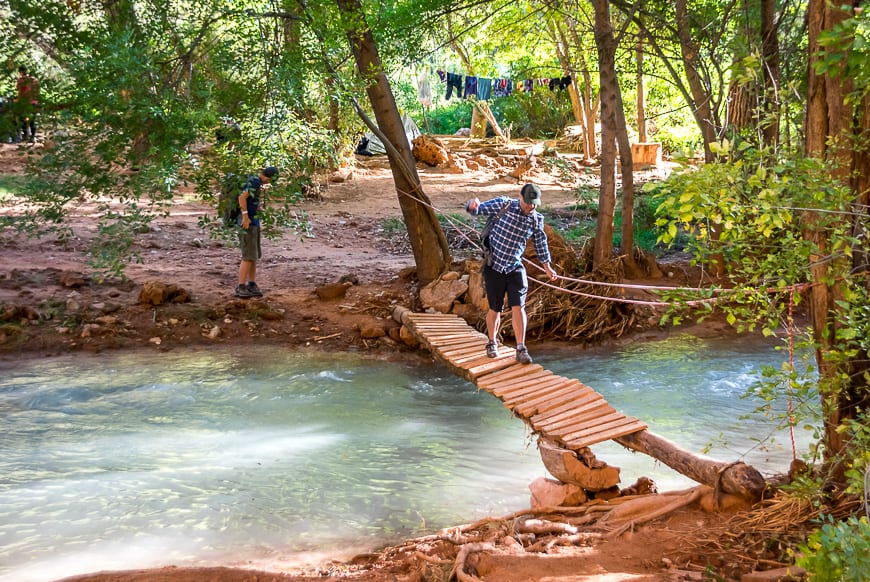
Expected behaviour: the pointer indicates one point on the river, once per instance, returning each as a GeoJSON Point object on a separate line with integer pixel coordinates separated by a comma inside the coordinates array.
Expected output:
{"type": "Point", "coordinates": [270, 458]}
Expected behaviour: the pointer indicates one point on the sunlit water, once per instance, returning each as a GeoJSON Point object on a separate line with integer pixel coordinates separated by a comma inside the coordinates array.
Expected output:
{"type": "Point", "coordinates": [255, 457]}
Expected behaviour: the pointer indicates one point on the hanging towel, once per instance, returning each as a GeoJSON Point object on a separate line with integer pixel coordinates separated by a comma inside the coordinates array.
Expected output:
{"type": "Point", "coordinates": [484, 88]}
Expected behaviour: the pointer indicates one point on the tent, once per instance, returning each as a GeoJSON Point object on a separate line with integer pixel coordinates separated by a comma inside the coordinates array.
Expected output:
{"type": "Point", "coordinates": [371, 144]}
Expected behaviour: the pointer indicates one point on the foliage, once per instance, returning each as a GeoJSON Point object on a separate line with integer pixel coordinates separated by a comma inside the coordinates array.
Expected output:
{"type": "Point", "coordinates": [838, 551]}
{"type": "Point", "coordinates": [845, 51]}
{"type": "Point", "coordinates": [745, 211]}
{"type": "Point", "coordinates": [679, 142]}
{"type": "Point", "coordinates": [448, 119]}
{"type": "Point", "coordinates": [539, 114]}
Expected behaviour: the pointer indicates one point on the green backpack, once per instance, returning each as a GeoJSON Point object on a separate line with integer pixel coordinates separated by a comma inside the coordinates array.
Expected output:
{"type": "Point", "coordinates": [228, 200]}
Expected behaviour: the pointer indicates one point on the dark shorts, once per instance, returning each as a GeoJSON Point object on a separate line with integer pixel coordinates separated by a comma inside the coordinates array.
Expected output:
{"type": "Point", "coordinates": [515, 284]}
{"type": "Point", "coordinates": [250, 243]}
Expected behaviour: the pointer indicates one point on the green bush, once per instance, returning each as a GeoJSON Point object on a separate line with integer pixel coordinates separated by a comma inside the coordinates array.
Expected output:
{"type": "Point", "coordinates": [838, 551]}
{"type": "Point", "coordinates": [540, 114]}
{"type": "Point", "coordinates": [450, 118]}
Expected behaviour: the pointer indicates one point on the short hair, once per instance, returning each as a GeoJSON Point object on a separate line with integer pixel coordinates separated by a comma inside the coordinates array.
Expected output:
{"type": "Point", "coordinates": [22, 69]}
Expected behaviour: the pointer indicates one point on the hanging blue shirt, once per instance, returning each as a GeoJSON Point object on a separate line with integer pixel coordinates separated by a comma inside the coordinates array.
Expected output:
{"type": "Point", "coordinates": [510, 233]}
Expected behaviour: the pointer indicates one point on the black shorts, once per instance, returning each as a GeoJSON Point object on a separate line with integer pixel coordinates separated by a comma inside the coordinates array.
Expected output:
{"type": "Point", "coordinates": [515, 284]}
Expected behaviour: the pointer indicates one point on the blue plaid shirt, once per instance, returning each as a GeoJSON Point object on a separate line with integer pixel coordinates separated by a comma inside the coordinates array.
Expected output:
{"type": "Point", "coordinates": [509, 234]}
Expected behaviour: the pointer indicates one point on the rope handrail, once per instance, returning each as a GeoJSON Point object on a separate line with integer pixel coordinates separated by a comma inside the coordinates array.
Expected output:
{"type": "Point", "coordinates": [455, 224]}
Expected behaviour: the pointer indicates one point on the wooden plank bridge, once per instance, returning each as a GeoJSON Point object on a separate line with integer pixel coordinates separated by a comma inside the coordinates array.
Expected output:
{"type": "Point", "coordinates": [561, 409]}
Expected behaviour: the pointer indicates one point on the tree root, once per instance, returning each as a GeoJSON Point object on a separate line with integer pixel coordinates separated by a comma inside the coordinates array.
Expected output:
{"type": "Point", "coordinates": [641, 510]}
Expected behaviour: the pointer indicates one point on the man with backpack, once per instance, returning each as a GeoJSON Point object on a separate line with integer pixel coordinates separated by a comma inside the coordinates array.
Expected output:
{"type": "Point", "coordinates": [514, 221]}
{"type": "Point", "coordinates": [249, 237]}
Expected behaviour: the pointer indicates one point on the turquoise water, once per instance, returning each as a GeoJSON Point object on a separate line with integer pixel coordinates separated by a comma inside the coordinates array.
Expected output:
{"type": "Point", "coordinates": [207, 457]}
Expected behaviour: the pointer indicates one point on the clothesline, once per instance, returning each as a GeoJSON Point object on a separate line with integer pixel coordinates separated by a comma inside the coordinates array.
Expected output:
{"type": "Point", "coordinates": [484, 88]}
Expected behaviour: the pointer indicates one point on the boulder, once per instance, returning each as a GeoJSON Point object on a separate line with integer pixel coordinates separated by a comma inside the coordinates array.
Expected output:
{"type": "Point", "coordinates": [158, 293]}
{"type": "Point", "coordinates": [440, 294]}
{"type": "Point", "coordinates": [333, 290]}
{"type": "Point", "coordinates": [429, 150]}
{"type": "Point", "coordinates": [552, 493]}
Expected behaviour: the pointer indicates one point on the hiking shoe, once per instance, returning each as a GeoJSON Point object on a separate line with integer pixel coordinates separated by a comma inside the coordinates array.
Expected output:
{"type": "Point", "coordinates": [492, 349]}
{"type": "Point", "coordinates": [523, 356]}
{"type": "Point", "coordinates": [254, 290]}
{"type": "Point", "coordinates": [243, 292]}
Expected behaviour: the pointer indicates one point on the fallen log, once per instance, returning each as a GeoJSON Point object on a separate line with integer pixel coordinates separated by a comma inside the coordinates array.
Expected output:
{"type": "Point", "coordinates": [735, 478]}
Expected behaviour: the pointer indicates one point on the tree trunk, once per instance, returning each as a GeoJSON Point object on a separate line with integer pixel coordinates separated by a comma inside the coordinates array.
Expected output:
{"type": "Point", "coordinates": [563, 53]}
{"type": "Point", "coordinates": [641, 96]}
{"type": "Point", "coordinates": [830, 133]}
{"type": "Point", "coordinates": [700, 96]}
{"type": "Point", "coordinates": [607, 194]}
{"type": "Point", "coordinates": [770, 52]}
{"type": "Point", "coordinates": [431, 254]}
{"type": "Point", "coordinates": [735, 478]}
{"type": "Point", "coordinates": [626, 166]}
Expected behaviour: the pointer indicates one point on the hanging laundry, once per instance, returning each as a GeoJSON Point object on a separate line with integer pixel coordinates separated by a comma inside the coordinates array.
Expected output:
{"type": "Point", "coordinates": [554, 83]}
{"type": "Point", "coordinates": [500, 87]}
{"type": "Point", "coordinates": [442, 75]}
{"type": "Point", "coordinates": [454, 80]}
{"type": "Point", "coordinates": [484, 88]}
{"type": "Point", "coordinates": [424, 91]}
{"type": "Point", "coordinates": [470, 86]}
{"type": "Point", "coordinates": [528, 85]}
{"type": "Point", "coordinates": [565, 82]}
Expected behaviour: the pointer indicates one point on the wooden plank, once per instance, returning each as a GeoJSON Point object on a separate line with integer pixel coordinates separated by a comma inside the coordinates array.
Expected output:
{"type": "Point", "coordinates": [544, 399]}
{"type": "Point", "coordinates": [524, 380]}
{"type": "Point", "coordinates": [586, 417]}
{"type": "Point", "coordinates": [585, 395]}
{"type": "Point", "coordinates": [431, 329]}
{"type": "Point", "coordinates": [420, 315]}
{"type": "Point", "coordinates": [463, 350]}
{"type": "Point", "coordinates": [470, 360]}
{"type": "Point", "coordinates": [444, 339]}
{"type": "Point", "coordinates": [538, 406]}
{"type": "Point", "coordinates": [590, 419]}
{"type": "Point", "coordinates": [562, 395]}
{"type": "Point", "coordinates": [493, 365]}
{"type": "Point", "coordinates": [564, 411]}
{"type": "Point", "coordinates": [459, 344]}
{"type": "Point", "coordinates": [590, 424]}
{"type": "Point", "coordinates": [545, 385]}
{"type": "Point", "coordinates": [475, 361]}
{"type": "Point", "coordinates": [551, 401]}
{"type": "Point", "coordinates": [567, 418]}
{"type": "Point", "coordinates": [586, 432]}
{"type": "Point", "coordinates": [519, 398]}
{"type": "Point", "coordinates": [608, 434]}
{"type": "Point", "coordinates": [501, 375]}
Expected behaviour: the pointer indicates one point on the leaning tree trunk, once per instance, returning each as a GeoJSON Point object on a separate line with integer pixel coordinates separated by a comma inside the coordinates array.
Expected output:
{"type": "Point", "coordinates": [701, 97]}
{"type": "Point", "coordinates": [734, 478]}
{"type": "Point", "coordinates": [431, 253]}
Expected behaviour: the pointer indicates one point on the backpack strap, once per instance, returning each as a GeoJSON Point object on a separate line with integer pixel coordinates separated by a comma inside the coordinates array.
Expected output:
{"type": "Point", "coordinates": [484, 234]}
